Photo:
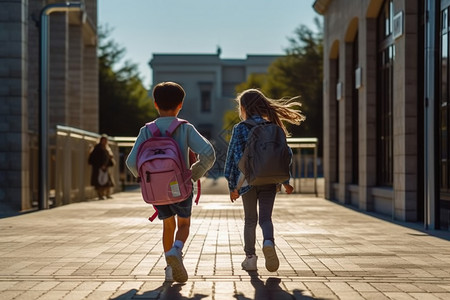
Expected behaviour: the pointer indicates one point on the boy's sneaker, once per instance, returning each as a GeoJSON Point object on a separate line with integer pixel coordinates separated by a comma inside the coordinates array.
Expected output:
{"type": "Point", "coordinates": [175, 260]}
{"type": "Point", "coordinates": [169, 276]}
{"type": "Point", "coordinates": [249, 263]}
{"type": "Point", "coordinates": [270, 255]}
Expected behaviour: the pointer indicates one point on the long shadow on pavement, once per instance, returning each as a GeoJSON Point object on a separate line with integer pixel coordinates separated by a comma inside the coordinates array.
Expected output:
{"type": "Point", "coordinates": [167, 291]}
{"type": "Point", "coordinates": [270, 290]}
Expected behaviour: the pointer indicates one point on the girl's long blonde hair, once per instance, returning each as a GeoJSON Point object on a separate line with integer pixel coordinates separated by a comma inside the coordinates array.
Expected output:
{"type": "Point", "coordinates": [254, 102]}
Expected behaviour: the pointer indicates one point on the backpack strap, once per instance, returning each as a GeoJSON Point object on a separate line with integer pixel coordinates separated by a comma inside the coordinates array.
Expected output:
{"type": "Point", "coordinates": [174, 125]}
{"type": "Point", "coordinates": [155, 214]}
{"type": "Point", "coordinates": [153, 128]}
{"type": "Point", "coordinates": [252, 123]}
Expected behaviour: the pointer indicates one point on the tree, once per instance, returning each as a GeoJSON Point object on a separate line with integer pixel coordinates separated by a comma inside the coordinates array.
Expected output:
{"type": "Point", "coordinates": [124, 102]}
{"type": "Point", "coordinates": [298, 73]}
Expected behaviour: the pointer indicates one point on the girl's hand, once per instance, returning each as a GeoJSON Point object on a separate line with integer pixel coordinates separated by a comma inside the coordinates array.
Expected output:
{"type": "Point", "coordinates": [234, 195]}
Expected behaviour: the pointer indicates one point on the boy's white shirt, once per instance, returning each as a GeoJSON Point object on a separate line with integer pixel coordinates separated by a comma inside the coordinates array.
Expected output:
{"type": "Point", "coordinates": [187, 136]}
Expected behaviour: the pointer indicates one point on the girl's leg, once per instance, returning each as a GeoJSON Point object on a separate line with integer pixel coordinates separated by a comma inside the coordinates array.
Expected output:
{"type": "Point", "coordinates": [266, 197]}
{"type": "Point", "coordinates": [99, 192]}
{"type": "Point", "coordinates": [108, 192]}
{"type": "Point", "coordinates": [249, 200]}
{"type": "Point", "coordinates": [168, 233]}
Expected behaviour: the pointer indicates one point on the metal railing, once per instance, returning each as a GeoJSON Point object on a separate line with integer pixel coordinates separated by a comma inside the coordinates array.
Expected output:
{"type": "Point", "coordinates": [70, 173]}
{"type": "Point", "coordinates": [304, 168]}
{"type": "Point", "coordinates": [304, 165]}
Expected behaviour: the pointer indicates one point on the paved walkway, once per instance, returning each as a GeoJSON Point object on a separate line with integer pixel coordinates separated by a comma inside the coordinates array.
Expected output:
{"type": "Point", "coordinates": [108, 250]}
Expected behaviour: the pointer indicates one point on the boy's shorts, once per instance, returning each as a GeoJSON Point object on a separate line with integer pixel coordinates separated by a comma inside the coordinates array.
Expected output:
{"type": "Point", "coordinates": [183, 209]}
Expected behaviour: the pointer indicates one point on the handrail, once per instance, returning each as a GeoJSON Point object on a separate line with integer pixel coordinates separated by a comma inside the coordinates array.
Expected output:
{"type": "Point", "coordinates": [70, 172]}
{"type": "Point", "coordinates": [297, 144]}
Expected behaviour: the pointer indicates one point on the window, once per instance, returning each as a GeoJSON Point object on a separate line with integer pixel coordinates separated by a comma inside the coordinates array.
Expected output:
{"type": "Point", "coordinates": [205, 89]}
{"type": "Point", "coordinates": [443, 117]}
{"type": "Point", "coordinates": [205, 101]}
{"type": "Point", "coordinates": [385, 82]}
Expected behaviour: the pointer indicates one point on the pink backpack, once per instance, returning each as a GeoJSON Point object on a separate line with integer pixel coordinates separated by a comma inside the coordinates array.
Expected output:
{"type": "Point", "coordinates": [163, 175]}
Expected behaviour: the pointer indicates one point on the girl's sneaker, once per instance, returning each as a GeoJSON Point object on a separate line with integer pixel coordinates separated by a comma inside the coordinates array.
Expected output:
{"type": "Point", "coordinates": [249, 263]}
{"type": "Point", "coordinates": [175, 260]}
{"type": "Point", "coordinates": [169, 276]}
{"type": "Point", "coordinates": [272, 262]}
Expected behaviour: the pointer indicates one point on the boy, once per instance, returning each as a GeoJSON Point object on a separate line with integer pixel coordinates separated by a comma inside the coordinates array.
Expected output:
{"type": "Point", "coordinates": [168, 99]}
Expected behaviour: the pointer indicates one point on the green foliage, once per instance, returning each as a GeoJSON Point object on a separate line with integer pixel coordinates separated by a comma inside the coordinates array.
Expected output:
{"type": "Point", "coordinates": [124, 102]}
{"type": "Point", "coordinates": [230, 118]}
{"type": "Point", "coordinates": [253, 81]}
{"type": "Point", "coordinates": [298, 73]}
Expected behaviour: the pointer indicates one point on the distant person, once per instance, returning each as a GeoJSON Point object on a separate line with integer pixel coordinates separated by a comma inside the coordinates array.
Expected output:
{"type": "Point", "coordinates": [254, 105]}
{"type": "Point", "coordinates": [168, 99]}
{"type": "Point", "coordinates": [102, 158]}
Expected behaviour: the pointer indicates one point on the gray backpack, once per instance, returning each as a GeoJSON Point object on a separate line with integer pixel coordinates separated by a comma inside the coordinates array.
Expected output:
{"type": "Point", "coordinates": [267, 157]}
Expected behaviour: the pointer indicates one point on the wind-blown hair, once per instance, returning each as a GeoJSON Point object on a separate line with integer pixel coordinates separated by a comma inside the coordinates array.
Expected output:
{"type": "Point", "coordinates": [254, 102]}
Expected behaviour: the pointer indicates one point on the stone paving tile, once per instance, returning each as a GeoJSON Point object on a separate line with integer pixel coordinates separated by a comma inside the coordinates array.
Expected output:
{"type": "Point", "coordinates": [108, 250]}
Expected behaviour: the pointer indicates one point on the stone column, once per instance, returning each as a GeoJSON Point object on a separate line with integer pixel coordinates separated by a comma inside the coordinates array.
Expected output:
{"type": "Point", "coordinates": [367, 109]}
{"type": "Point", "coordinates": [58, 70]}
{"type": "Point", "coordinates": [75, 83]}
{"type": "Point", "coordinates": [14, 150]}
{"type": "Point", "coordinates": [90, 102]}
{"type": "Point", "coordinates": [405, 116]}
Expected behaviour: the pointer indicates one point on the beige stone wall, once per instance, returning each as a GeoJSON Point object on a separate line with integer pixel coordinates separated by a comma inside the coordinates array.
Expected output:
{"type": "Point", "coordinates": [340, 20]}
{"type": "Point", "coordinates": [14, 183]}
{"type": "Point", "coordinates": [73, 92]}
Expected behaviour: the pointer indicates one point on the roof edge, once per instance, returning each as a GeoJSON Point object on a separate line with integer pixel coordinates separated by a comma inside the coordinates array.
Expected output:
{"type": "Point", "coordinates": [321, 6]}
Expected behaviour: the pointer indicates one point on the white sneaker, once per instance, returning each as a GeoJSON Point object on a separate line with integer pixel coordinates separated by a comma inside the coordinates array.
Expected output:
{"type": "Point", "coordinates": [272, 262]}
{"type": "Point", "coordinates": [169, 276]}
{"type": "Point", "coordinates": [175, 260]}
{"type": "Point", "coordinates": [249, 263]}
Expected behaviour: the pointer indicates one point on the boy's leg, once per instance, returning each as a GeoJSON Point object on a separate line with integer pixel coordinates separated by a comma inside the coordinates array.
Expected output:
{"type": "Point", "coordinates": [168, 233]}
{"type": "Point", "coordinates": [174, 256]}
{"type": "Point", "coordinates": [184, 225]}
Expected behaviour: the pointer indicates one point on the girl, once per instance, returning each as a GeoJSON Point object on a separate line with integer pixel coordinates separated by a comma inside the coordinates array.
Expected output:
{"type": "Point", "coordinates": [253, 104]}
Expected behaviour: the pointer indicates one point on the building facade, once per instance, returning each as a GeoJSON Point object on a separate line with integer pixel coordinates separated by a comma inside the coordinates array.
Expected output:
{"type": "Point", "coordinates": [386, 89]}
{"type": "Point", "coordinates": [209, 82]}
{"type": "Point", "coordinates": [72, 89]}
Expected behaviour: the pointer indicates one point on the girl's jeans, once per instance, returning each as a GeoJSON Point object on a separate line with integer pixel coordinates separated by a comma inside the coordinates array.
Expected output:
{"type": "Point", "coordinates": [265, 195]}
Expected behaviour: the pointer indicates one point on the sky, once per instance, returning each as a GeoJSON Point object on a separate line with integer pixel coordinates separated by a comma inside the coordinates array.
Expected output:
{"type": "Point", "coordinates": [238, 27]}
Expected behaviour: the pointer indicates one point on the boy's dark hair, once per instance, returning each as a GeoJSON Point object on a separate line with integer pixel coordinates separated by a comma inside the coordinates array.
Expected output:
{"type": "Point", "coordinates": [168, 95]}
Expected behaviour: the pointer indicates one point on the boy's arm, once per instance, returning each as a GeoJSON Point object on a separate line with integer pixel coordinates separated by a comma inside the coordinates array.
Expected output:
{"type": "Point", "coordinates": [205, 151]}
{"type": "Point", "coordinates": [131, 159]}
